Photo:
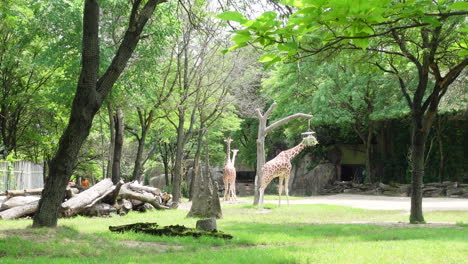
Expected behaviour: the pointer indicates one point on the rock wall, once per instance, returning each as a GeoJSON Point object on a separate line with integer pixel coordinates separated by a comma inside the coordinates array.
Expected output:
{"type": "Point", "coordinates": [306, 181]}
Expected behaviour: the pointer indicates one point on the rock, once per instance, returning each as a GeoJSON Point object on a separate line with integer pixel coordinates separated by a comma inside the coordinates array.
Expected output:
{"type": "Point", "coordinates": [207, 224]}
{"type": "Point", "coordinates": [158, 181]}
{"type": "Point", "coordinates": [304, 181]}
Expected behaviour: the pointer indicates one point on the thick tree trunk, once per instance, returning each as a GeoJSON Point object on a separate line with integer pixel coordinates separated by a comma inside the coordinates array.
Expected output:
{"type": "Point", "coordinates": [119, 131]}
{"type": "Point", "coordinates": [418, 145]}
{"type": "Point", "coordinates": [85, 105]}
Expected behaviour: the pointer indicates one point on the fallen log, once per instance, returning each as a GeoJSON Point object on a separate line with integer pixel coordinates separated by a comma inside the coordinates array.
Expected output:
{"type": "Point", "coordinates": [99, 209]}
{"type": "Point", "coordinates": [12, 193]}
{"type": "Point", "coordinates": [135, 186]}
{"type": "Point", "coordinates": [172, 230]}
{"type": "Point", "coordinates": [127, 193]}
{"type": "Point", "coordinates": [19, 211]}
{"type": "Point", "coordinates": [18, 201]}
{"type": "Point", "coordinates": [88, 198]}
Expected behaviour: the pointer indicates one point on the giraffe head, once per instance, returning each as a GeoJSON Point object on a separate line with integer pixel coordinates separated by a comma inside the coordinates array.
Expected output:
{"type": "Point", "coordinates": [228, 140]}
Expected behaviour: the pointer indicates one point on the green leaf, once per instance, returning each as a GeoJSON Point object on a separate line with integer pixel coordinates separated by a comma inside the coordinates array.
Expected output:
{"type": "Point", "coordinates": [463, 53]}
{"type": "Point", "coordinates": [233, 16]}
{"type": "Point", "coordinates": [241, 38]}
{"type": "Point", "coordinates": [362, 43]}
{"type": "Point", "coordinates": [268, 57]}
{"type": "Point", "coordinates": [459, 6]}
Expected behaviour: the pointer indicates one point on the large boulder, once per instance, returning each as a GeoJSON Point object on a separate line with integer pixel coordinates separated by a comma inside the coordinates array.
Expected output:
{"type": "Point", "coordinates": [306, 181]}
{"type": "Point", "coordinates": [158, 181]}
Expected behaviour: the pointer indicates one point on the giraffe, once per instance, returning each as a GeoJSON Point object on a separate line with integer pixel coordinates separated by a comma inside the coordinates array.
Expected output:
{"type": "Point", "coordinates": [280, 166]}
{"type": "Point", "coordinates": [229, 172]}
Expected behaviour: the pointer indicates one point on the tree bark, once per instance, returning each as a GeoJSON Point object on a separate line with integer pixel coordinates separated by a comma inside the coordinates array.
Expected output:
{"type": "Point", "coordinates": [205, 202]}
{"type": "Point", "coordinates": [177, 180]}
{"type": "Point", "coordinates": [110, 111]}
{"type": "Point", "coordinates": [417, 161]}
{"type": "Point", "coordinates": [196, 163]}
{"type": "Point", "coordinates": [145, 124]}
{"type": "Point", "coordinates": [89, 96]}
{"type": "Point", "coordinates": [119, 135]}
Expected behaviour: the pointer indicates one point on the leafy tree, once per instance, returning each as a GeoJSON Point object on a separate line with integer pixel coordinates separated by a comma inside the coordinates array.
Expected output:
{"type": "Point", "coordinates": [420, 40]}
{"type": "Point", "coordinates": [90, 94]}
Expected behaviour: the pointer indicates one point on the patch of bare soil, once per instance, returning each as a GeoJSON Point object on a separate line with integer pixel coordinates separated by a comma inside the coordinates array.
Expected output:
{"type": "Point", "coordinates": [159, 247]}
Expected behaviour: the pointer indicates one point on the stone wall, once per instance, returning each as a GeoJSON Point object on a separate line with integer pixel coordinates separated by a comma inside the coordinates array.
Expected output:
{"type": "Point", "coordinates": [307, 181]}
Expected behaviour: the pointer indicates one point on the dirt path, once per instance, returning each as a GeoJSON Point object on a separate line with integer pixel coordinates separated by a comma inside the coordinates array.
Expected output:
{"type": "Point", "coordinates": [370, 202]}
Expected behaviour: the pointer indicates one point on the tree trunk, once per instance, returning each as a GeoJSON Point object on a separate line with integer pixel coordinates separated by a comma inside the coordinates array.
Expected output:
{"type": "Point", "coordinates": [119, 130]}
{"type": "Point", "coordinates": [196, 164]}
{"type": "Point", "coordinates": [85, 105]}
{"type": "Point", "coordinates": [441, 149]}
{"type": "Point", "coordinates": [418, 145]}
{"type": "Point", "coordinates": [205, 202]}
{"type": "Point", "coordinates": [112, 140]}
{"type": "Point", "coordinates": [177, 181]}
{"type": "Point", "coordinates": [145, 124]}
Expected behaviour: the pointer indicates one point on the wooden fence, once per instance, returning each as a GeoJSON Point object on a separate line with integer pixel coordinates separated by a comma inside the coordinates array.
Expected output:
{"type": "Point", "coordinates": [20, 175]}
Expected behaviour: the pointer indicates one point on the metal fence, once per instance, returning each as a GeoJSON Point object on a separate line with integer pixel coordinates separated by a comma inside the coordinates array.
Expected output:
{"type": "Point", "coordinates": [20, 175]}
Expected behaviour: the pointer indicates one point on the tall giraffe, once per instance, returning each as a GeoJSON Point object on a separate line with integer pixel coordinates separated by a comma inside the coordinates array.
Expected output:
{"type": "Point", "coordinates": [280, 166]}
{"type": "Point", "coordinates": [229, 172]}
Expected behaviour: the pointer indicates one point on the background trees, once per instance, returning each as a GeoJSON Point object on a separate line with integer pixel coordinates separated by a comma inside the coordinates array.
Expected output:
{"type": "Point", "coordinates": [367, 72]}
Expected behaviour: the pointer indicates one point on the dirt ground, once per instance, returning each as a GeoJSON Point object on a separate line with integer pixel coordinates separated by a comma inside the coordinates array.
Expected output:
{"type": "Point", "coordinates": [370, 202]}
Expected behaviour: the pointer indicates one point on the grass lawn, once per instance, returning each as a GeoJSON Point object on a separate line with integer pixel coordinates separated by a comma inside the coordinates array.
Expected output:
{"type": "Point", "coordinates": [294, 234]}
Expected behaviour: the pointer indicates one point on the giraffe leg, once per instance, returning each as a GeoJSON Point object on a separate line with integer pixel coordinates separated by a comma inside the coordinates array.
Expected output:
{"type": "Point", "coordinates": [286, 187]}
{"type": "Point", "coordinates": [260, 200]}
{"type": "Point", "coordinates": [234, 190]}
{"type": "Point", "coordinates": [280, 190]}
{"type": "Point", "coordinates": [226, 190]}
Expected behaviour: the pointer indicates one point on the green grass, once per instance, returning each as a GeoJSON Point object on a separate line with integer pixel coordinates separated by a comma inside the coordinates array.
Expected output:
{"type": "Point", "coordinates": [294, 234]}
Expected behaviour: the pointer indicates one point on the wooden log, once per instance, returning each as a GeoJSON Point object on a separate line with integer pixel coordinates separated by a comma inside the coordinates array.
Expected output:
{"type": "Point", "coordinates": [99, 209]}
{"type": "Point", "coordinates": [88, 198]}
{"type": "Point", "coordinates": [12, 193]}
{"type": "Point", "coordinates": [127, 193]}
{"type": "Point", "coordinates": [18, 201]}
{"type": "Point", "coordinates": [135, 186]}
{"type": "Point", "coordinates": [19, 211]}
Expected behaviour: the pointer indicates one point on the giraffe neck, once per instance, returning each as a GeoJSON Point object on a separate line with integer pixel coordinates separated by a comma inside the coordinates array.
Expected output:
{"type": "Point", "coordinates": [234, 153]}
{"type": "Point", "coordinates": [228, 152]}
{"type": "Point", "coordinates": [292, 152]}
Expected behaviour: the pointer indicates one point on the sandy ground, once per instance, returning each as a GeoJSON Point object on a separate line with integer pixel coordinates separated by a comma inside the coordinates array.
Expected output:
{"type": "Point", "coordinates": [370, 202]}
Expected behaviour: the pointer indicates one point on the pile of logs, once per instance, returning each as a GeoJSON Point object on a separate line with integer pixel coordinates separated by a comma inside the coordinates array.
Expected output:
{"type": "Point", "coordinates": [445, 189]}
{"type": "Point", "coordinates": [101, 199]}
